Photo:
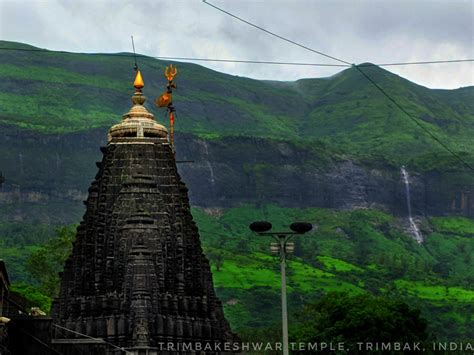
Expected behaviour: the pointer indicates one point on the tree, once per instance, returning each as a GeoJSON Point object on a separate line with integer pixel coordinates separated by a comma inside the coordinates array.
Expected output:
{"type": "Point", "coordinates": [217, 259]}
{"type": "Point", "coordinates": [45, 263]}
{"type": "Point", "coordinates": [339, 317]}
{"type": "Point", "coordinates": [33, 297]}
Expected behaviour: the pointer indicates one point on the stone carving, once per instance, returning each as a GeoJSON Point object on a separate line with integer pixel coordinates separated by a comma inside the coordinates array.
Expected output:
{"type": "Point", "coordinates": [137, 276]}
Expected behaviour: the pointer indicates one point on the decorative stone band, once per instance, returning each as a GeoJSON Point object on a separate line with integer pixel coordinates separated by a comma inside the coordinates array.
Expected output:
{"type": "Point", "coordinates": [138, 123]}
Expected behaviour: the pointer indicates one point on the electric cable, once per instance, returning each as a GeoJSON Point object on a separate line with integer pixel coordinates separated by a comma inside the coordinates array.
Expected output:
{"type": "Point", "coordinates": [434, 137]}
{"type": "Point", "coordinates": [417, 63]}
{"type": "Point", "coordinates": [88, 336]}
{"type": "Point", "coordinates": [243, 61]}
{"type": "Point", "coordinates": [39, 341]}
{"type": "Point", "coordinates": [309, 64]}
{"type": "Point", "coordinates": [274, 34]}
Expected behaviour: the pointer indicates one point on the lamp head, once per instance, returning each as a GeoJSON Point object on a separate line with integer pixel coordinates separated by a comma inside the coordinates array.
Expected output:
{"type": "Point", "coordinates": [301, 227]}
{"type": "Point", "coordinates": [260, 226]}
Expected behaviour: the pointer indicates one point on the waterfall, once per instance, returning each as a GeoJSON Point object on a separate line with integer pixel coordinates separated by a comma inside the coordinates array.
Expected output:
{"type": "Point", "coordinates": [413, 228]}
{"type": "Point", "coordinates": [209, 165]}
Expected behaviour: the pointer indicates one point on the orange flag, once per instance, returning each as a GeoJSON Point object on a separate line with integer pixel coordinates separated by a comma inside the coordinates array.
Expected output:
{"type": "Point", "coordinates": [164, 100]}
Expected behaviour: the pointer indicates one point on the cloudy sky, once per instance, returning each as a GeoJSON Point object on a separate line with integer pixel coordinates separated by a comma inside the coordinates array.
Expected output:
{"type": "Point", "coordinates": [357, 31]}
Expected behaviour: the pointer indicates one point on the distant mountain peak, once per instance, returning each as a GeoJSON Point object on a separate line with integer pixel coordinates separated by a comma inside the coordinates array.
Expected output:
{"type": "Point", "coordinates": [368, 64]}
{"type": "Point", "coordinates": [16, 45]}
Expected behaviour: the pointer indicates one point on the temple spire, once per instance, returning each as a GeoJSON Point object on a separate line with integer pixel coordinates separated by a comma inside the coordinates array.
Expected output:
{"type": "Point", "coordinates": [137, 277]}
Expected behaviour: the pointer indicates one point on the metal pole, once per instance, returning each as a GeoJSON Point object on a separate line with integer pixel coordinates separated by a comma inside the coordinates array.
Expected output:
{"type": "Point", "coordinates": [284, 310]}
{"type": "Point", "coordinates": [282, 238]}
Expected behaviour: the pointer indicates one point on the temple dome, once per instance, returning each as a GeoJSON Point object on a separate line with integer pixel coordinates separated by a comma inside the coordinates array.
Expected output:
{"type": "Point", "coordinates": [138, 122]}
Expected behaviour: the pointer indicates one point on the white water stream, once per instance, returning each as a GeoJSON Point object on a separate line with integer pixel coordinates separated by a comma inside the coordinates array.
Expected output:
{"type": "Point", "coordinates": [209, 165]}
{"type": "Point", "coordinates": [414, 230]}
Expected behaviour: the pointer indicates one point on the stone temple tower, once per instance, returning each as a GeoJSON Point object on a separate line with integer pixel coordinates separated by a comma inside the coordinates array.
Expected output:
{"type": "Point", "coordinates": [137, 278]}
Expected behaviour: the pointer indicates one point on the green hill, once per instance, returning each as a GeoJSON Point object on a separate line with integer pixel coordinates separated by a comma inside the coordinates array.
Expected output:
{"type": "Point", "coordinates": [348, 251]}
{"type": "Point", "coordinates": [64, 92]}
{"type": "Point", "coordinates": [323, 150]}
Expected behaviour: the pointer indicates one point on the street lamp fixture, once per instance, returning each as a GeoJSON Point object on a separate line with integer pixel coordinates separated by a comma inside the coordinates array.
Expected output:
{"type": "Point", "coordinates": [282, 247]}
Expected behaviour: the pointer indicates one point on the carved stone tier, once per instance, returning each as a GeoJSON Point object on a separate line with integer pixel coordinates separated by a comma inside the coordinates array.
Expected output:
{"type": "Point", "coordinates": [138, 122]}
{"type": "Point", "coordinates": [137, 276]}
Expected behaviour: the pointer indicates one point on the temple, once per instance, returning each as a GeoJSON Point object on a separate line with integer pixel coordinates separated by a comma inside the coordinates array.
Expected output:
{"type": "Point", "coordinates": [137, 277]}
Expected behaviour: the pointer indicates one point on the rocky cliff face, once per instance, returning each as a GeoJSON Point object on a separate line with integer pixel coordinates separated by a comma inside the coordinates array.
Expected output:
{"type": "Point", "coordinates": [46, 177]}
{"type": "Point", "coordinates": [240, 170]}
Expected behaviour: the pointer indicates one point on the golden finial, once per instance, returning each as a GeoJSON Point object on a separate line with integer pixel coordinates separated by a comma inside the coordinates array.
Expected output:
{"type": "Point", "coordinates": [170, 72]}
{"type": "Point", "coordinates": [139, 84]}
{"type": "Point", "coordinates": [138, 98]}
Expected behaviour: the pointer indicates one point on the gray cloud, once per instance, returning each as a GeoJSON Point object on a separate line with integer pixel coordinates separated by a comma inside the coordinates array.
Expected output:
{"type": "Point", "coordinates": [356, 31]}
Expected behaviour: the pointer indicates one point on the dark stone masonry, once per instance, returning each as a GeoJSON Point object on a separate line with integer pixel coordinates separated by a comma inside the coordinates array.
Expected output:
{"type": "Point", "coordinates": [137, 276]}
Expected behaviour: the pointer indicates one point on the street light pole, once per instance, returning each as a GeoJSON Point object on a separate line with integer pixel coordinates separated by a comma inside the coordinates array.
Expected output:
{"type": "Point", "coordinates": [284, 306]}
{"type": "Point", "coordinates": [282, 248]}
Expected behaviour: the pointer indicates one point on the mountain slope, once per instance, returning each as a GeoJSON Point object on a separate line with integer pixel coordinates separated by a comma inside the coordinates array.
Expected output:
{"type": "Point", "coordinates": [324, 150]}
{"type": "Point", "coordinates": [59, 92]}
{"type": "Point", "coordinates": [348, 251]}
{"type": "Point", "coordinates": [334, 142]}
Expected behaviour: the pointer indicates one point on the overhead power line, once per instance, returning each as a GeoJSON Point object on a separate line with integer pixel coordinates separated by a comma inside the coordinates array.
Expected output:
{"type": "Point", "coordinates": [256, 62]}
{"type": "Point", "coordinates": [414, 119]}
{"type": "Point", "coordinates": [92, 338]}
{"type": "Point", "coordinates": [419, 63]}
{"type": "Point", "coordinates": [126, 55]}
{"type": "Point", "coordinates": [274, 34]}
{"type": "Point", "coordinates": [225, 60]}
{"type": "Point", "coordinates": [316, 64]}
{"type": "Point", "coordinates": [432, 135]}
{"type": "Point", "coordinates": [296, 63]}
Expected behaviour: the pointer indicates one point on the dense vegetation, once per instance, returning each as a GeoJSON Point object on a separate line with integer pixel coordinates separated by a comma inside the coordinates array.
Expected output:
{"type": "Point", "coordinates": [55, 109]}
{"type": "Point", "coordinates": [339, 318]}
{"type": "Point", "coordinates": [360, 252]}
{"type": "Point", "coordinates": [357, 252]}
{"type": "Point", "coordinates": [61, 92]}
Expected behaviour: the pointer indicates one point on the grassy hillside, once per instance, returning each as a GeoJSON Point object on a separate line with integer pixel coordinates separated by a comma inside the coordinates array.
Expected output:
{"type": "Point", "coordinates": [62, 92]}
{"type": "Point", "coordinates": [352, 251]}
{"type": "Point", "coordinates": [75, 97]}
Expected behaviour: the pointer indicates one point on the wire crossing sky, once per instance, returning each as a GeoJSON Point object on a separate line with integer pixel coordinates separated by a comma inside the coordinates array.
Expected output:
{"type": "Point", "coordinates": [5, 48]}
{"type": "Point", "coordinates": [390, 31]}
{"type": "Point", "coordinates": [389, 97]}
